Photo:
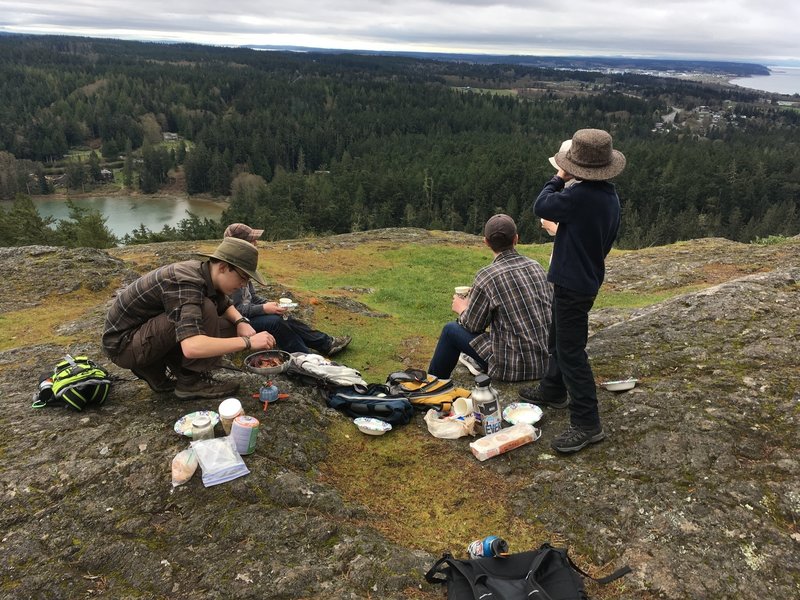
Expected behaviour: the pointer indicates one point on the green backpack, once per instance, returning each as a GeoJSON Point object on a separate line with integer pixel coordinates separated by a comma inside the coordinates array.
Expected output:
{"type": "Point", "coordinates": [74, 383]}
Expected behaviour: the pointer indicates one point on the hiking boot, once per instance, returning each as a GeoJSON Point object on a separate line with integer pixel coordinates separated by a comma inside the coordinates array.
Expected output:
{"type": "Point", "coordinates": [203, 386]}
{"type": "Point", "coordinates": [156, 377]}
{"type": "Point", "coordinates": [534, 396]}
{"type": "Point", "coordinates": [577, 438]}
{"type": "Point", "coordinates": [338, 344]}
{"type": "Point", "coordinates": [471, 364]}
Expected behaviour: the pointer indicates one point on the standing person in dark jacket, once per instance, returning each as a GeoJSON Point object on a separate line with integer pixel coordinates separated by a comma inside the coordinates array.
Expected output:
{"type": "Point", "coordinates": [291, 335]}
{"type": "Point", "coordinates": [588, 215]}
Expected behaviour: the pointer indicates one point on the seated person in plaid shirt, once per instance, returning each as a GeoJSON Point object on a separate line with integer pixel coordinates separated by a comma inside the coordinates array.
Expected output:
{"type": "Point", "coordinates": [504, 322]}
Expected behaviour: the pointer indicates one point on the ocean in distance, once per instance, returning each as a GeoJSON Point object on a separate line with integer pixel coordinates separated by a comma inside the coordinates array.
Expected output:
{"type": "Point", "coordinates": [781, 80]}
{"type": "Point", "coordinates": [126, 213]}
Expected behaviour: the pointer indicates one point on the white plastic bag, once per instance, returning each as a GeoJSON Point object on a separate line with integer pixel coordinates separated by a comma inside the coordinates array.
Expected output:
{"type": "Point", "coordinates": [183, 467]}
{"type": "Point", "coordinates": [449, 427]}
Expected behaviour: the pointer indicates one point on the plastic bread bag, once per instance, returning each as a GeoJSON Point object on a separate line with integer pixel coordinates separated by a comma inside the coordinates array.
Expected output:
{"type": "Point", "coordinates": [183, 467]}
{"type": "Point", "coordinates": [449, 428]}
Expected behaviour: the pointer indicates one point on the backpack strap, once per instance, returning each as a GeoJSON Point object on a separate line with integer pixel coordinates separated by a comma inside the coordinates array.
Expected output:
{"type": "Point", "coordinates": [601, 580]}
{"type": "Point", "coordinates": [436, 569]}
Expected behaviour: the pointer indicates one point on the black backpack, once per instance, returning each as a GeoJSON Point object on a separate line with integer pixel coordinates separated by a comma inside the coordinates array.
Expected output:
{"type": "Point", "coordinates": [373, 400]}
{"type": "Point", "coordinates": [543, 574]}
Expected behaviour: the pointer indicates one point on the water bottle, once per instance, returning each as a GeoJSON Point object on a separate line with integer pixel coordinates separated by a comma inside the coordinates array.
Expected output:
{"type": "Point", "coordinates": [490, 546]}
{"type": "Point", "coordinates": [486, 404]}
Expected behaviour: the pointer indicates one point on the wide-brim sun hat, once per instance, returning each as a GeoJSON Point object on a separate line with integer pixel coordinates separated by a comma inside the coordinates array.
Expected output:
{"type": "Point", "coordinates": [239, 253]}
{"type": "Point", "coordinates": [565, 145]}
{"type": "Point", "coordinates": [591, 156]}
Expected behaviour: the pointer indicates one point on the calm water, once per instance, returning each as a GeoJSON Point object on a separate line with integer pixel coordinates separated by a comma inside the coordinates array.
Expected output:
{"type": "Point", "coordinates": [126, 213]}
{"type": "Point", "coordinates": [781, 80]}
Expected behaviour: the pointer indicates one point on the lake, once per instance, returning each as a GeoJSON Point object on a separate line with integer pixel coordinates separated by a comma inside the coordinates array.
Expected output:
{"type": "Point", "coordinates": [126, 213]}
{"type": "Point", "coordinates": [781, 80]}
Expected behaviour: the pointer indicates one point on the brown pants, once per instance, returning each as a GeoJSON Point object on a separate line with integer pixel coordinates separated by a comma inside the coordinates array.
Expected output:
{"type": "Point", "coordinates": [154, 344]}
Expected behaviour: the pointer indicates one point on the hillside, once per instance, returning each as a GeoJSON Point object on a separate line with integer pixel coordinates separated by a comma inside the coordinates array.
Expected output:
{"type": "Point", "coordinates": [696, 488]}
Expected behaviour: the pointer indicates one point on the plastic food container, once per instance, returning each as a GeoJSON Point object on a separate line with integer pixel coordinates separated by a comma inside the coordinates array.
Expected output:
{"type": "Point", "coordinates": [372, 426]}
{"type": "Point", "coordinates": [620, 386]}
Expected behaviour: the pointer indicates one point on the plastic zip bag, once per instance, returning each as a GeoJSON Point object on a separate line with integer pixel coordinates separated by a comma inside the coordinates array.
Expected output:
{"type": "Point", "coordinates": [219, 460]}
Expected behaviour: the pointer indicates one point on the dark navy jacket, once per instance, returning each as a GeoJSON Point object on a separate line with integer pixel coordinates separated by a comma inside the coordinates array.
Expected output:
{"type": "Point", "coordinates": [588, 216]}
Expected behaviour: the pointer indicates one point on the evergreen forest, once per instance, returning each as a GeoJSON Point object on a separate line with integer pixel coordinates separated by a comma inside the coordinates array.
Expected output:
{"type": "Point", "coordinates": [323, 143]}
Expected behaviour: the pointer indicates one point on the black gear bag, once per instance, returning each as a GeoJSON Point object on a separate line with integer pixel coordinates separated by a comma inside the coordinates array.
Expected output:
{"type": "Point", "coordinates": [544, 574]}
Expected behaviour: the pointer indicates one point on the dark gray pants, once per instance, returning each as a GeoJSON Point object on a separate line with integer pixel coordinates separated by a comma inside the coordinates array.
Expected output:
{"type": "Point", "coordinates": [154, 344]}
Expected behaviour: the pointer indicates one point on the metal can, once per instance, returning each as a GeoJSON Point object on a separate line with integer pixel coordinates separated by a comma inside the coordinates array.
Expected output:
{"type": "Point", "coordinates": [488, 547]}
{"type": "Point", "coordinates": [268, 393]}
{"type": "Point", "coordinates": [244, 432]}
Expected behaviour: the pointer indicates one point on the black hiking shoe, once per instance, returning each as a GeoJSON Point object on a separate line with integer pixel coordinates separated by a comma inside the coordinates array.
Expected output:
{"type": "Point", "coordinates": [203, 386]}
{"type": "Point", "coordinates": [577, 438]}
{"type": "Point", "coordinates": [338, 344]}
{"type": "Point", "coordinates": [155, 376]}
{"type": "Point", "coordinates": [534, 396]}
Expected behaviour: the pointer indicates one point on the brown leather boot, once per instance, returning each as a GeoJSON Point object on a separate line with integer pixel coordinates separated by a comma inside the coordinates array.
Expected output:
{"type": "Point", "coordinates": [192, 384]}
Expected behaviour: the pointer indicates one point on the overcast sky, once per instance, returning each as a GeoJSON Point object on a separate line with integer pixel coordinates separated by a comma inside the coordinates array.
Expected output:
{"type": "Point", "coordinates": [764, 31]}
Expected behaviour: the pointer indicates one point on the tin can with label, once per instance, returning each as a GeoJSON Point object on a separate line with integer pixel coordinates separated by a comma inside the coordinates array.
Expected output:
{"type": "Point", "coordinates": [244, 432]}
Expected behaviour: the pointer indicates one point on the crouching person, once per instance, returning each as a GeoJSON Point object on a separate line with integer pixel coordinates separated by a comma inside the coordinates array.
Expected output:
{"type": "Point", "coordinates": [171, 326]}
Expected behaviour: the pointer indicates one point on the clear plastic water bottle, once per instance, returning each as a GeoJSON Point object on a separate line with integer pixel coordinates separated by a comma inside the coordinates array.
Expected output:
{"type": "Point", "coordinates": [486, 404]}
{"type": "Point", "coordinates": [490, 546]}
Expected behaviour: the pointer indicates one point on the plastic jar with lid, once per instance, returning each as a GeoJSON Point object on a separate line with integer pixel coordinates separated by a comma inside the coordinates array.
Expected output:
{"type": "Point", "coordinates": [202, 428]}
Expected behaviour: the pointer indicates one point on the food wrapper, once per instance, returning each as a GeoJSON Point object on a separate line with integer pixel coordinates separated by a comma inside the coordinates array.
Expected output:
{"type": "Point", "coordinates": [504, 440]}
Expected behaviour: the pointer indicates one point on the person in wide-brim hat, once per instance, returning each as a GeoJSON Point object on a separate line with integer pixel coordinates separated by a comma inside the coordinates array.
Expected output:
{"type": "Point", "coordinates": [172, 326]}
{"type": "Point", "coordinates": [240, 254]}
{"type": "Point", "coordinates": [588, 216]}
{"type": "Point", "coordinates": [591, 156]}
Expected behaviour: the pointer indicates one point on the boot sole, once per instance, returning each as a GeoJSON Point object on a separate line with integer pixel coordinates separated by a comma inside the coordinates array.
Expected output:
{"type": "Point", "coordinates": [598, 437]}
{"type": "Point", "coordinates": [181, 395]}
{"type": "Point", "coordinates": [539, 402]}
{"type": "Point", "coordinates": [156, 389]}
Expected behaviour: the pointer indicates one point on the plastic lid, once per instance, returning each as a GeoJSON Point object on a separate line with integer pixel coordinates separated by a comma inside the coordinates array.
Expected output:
{"type": "Point", "coordinates": [483, 380]}
{"type": "Point", "coordinates": [229, 408]}
{"type": "Point", "coordinates": [201, 421]}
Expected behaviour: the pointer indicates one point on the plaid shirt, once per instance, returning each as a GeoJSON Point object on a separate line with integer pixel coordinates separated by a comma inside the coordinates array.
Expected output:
{"type": "Point", "coordinates": [512, 297]}
{"type": "Point", "coordinates": [177, 290]}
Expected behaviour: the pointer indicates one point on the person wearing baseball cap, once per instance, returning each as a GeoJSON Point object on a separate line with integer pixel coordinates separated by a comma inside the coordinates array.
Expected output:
{"type": "Point", "coordinates": [588, 217]}
{"type": "Point", "coordinates": [171, 326]}
{"type": "Point", "coordinates": [502, 324]}
{"type": "Point", "coordinates": [291, 335]}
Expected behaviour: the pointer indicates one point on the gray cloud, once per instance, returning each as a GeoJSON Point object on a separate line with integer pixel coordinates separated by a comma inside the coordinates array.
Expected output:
{"type": "Point", "coordinates": [735, 29]}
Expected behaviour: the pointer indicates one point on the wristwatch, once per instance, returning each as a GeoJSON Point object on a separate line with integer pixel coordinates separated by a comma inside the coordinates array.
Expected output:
{"type": "Point", "coordinates": [241, 320]}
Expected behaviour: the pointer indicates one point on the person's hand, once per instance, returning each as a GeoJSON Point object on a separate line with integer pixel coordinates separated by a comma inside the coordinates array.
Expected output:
{"type": "Point", "coordinates": [262, 341]}
{"type": "Point", "coordinates": [245, 329]}
{"type": "Point", "coordinates": [273, 308]}
{"type": "Point", "coordinates": [564, 175]}
{"type": "Point", "coordinates": [460, 304]}
{"type": "Point", "coordinates": [549, 226]}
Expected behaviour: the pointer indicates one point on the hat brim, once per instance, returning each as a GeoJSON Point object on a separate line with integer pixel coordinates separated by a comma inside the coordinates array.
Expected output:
{"type": "Point", "coordinates": [552, 160]}
{"type": "Point", "coordinates": [253, 274]}
{"type": "Point", "coordinates": [256, 234]}
{"type": "Point", "coordinates": [612, 169]}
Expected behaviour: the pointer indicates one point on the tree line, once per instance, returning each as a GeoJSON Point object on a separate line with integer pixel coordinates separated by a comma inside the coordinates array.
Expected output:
{"type": "Point", "coordinates": [323, 143]}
